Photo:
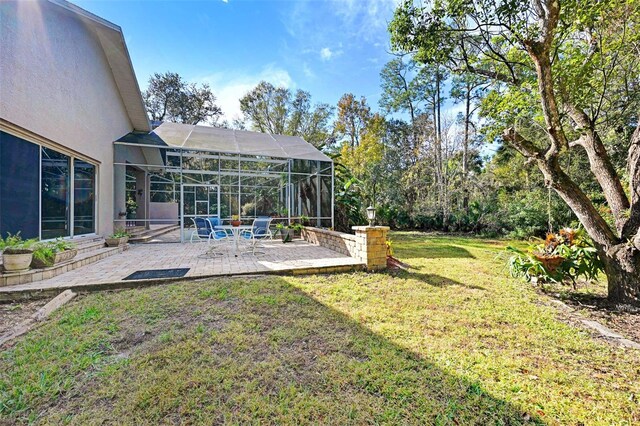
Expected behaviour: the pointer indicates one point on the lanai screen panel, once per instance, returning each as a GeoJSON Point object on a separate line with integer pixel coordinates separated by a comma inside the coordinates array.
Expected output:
{"type": "Point", "coordinates": [256, 174]}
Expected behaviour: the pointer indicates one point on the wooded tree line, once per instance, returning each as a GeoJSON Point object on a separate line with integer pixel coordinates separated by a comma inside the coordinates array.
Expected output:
{"type": "Point", "coordinates": [563, 88]}
{"type": "Point", "coordinates": [424, 171]}
{"type": "Point", "coordinates": [548, 131]}
{"type": "Point", "coordinates": [420, 172]}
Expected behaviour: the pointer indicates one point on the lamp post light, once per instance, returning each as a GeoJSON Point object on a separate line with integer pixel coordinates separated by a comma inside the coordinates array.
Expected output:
{"type": "Point", "coordinates": [371, 215]}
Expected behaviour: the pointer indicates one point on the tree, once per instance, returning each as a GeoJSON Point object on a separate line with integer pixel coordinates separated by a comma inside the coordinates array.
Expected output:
{"type": "Point", "coordinates": [469, 89]}
{"type": "Point", "coordinates": [403, 87]}
{"type": "Point", "coordinates": [170, 98]}
{"type": "Point", "coordinates": [568, 67]}
{"type": "Point", "coordinates": [365, 160]}
{"type": "Point", "coordinates": [353, 117]}
{"type": "Point", "coordinates": [406, 87]}
{"type": "Point", "coordinates": [266, 107]}
{"type": "Point", "coordinates": [276, 110]}
{"type": "Point", "coordinates": [311, 123]}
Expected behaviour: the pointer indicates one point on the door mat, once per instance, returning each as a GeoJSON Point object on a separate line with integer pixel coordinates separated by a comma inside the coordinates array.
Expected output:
{"type": "Point", "coordinates": [157, 273]}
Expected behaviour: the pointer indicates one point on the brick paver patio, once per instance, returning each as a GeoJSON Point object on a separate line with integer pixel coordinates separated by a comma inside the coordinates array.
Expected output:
{"type": "Point", "coordinates": [296, 257]}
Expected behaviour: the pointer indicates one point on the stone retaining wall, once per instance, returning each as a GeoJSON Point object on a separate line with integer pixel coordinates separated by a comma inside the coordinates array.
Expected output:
{"type": "Point", "coordinates": [368, 245]}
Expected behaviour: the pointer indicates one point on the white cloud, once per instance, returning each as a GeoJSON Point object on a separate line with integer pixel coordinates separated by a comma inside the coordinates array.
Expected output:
{"type": "Point", "coordinates": [318, 25]}
{"type": "Point", "coordinates": [229, 86]}
{"type": "Point", "coordinates": [369, 18]}
{"type": "Point", "coordinates": [325, 53]}
{"type": "Point", "coordinates": [308, 72]}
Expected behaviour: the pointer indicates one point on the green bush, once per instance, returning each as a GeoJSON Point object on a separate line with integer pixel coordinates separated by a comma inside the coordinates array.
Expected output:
{"type": "Point", "coordinates": [45, 253]}
{"type": "Point", "coordinates": [14, 244]}
{"type": "Point", "coordinates": [119, 233]}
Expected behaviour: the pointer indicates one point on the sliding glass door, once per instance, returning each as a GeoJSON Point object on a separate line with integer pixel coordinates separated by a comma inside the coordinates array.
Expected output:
{"type": "Point", "coordinates": [68, 200]}
{"type": "Point", "coordinates": [55, 193]}
{"type": "Point", "coordinates": [84, 198]}
{"type": "Point", "coordinates": [198, 200]}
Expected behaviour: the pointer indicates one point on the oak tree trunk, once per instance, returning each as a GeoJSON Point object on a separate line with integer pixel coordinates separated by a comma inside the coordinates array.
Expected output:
{"type": "Point", "coordinates": [622, 267]}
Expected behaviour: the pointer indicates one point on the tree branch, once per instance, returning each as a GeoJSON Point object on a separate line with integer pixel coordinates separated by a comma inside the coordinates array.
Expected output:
{"type": "Point", "coordinates": [539, 51]}
{"type": "Point", "coordinates": [632, 226]}
{"type": "Point", "coordinates": [568, 190]}
{"type": "Point", "coordinates": [524, 146]}
{"type": "Point", "coordinates": [601, 166]}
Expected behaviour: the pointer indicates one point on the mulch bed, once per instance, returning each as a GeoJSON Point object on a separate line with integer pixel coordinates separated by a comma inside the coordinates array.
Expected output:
{"type": "Point", "coordinates": [622, 319]}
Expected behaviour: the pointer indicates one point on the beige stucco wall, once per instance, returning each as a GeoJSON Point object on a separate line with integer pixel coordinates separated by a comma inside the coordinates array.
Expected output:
{"type": "Point", "coordinates": [55, 82]}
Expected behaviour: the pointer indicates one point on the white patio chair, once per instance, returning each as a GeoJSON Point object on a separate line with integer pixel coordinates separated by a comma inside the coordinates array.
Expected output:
{"type": "Point", "coordinates": [259, 231]}
{"type": "Point", "coordinates": [204, 230]}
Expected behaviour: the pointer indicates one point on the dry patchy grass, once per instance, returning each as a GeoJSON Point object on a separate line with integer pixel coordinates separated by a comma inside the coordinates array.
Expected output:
{"type": "Point", "coordinates": [453, 341]}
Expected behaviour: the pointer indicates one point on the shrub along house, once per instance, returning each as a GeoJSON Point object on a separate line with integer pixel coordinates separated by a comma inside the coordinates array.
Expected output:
{"type": "Point", "coordinates": [76, 143]}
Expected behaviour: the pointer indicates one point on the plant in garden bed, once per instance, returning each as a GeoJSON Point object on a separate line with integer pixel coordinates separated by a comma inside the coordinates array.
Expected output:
{"type": "Point", "coordinates": [16, 252]}
{"type": "Point", "coordinates": [389, 244]}
{"type": "Point", "coordinates": [304, 220]}
{"type": "Point", "coordinates": [563, 257]}
{"type": "Point", "coordinates": [10, 241]}
{"type": "Point", "coordinates": [118, 238]}
{"type": "Point", "coordinates": [287, 232]}
{"type": "Point", "coordinates": [119, 233]}
{"type": "Point", "coordinates": [52, 252]}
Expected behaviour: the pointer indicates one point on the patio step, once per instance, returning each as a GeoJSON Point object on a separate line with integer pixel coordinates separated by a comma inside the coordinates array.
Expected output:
{"type": "Point", "coordinates": [89, 245]}
{"type": "Point", "coordinates": [148, 234]}
{"type": "Point", "coordinates": [134, 229]}
{"type": "Point", "coordinates": [91, 253]}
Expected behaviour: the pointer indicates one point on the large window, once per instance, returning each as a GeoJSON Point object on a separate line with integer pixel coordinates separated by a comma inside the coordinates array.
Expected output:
{"type": "Point", "coordinates": [66, 201]}
{"type": "Point", "coordinates": [84, 197]}
{"type": "Point", "coordinates": [55, 193]}
{"type": "Point", "coordinates": [44, 193]}
{"type": "Point", "coordinates": [19, 186]}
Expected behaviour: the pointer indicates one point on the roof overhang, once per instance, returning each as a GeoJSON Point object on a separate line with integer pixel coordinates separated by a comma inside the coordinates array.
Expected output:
{"type": "Point", "coordinates": [115, 50]}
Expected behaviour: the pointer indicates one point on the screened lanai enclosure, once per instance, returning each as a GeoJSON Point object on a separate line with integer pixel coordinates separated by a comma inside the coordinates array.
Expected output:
{"type": "Point", "coordinates": [165, 178]}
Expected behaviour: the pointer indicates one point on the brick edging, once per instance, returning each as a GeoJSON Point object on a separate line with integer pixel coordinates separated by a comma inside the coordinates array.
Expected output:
{"type": "Point", "coordinates": [30, 294]}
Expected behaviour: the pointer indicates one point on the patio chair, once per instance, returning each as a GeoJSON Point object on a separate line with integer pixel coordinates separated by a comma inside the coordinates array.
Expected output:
{"type": "Point", "coordinates": [216, 221]}
{"type": "Point", "coordinates": [204, 230]}
{"type": "Point", "coordinates": [259, 231]}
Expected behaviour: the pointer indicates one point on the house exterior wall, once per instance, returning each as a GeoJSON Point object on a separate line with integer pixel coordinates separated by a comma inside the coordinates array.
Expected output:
{"type": "Point", "coordinates": [57, 86]}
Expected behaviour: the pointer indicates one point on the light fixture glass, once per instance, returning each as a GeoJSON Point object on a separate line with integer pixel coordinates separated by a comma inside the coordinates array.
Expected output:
{"type": "Point", "coordinates": [371, 215]}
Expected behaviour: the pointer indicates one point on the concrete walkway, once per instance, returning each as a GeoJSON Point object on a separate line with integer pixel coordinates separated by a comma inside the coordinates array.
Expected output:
{"type": "Point", "coordinates": [298, 257]}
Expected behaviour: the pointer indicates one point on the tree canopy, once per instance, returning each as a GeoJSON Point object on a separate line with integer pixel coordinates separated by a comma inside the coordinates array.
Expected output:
{"type": "Point", "coordinates": [277, 110]}
{"type": "Point", "coordinates": [170, 98]}
{"type": "Point", "coordinates": [564, 76]}
{"type": "Point", "coordinates": [353, 118]}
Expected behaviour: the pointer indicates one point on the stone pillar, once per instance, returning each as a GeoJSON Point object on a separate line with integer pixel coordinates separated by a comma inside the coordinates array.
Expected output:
{"type": "Point", "coordinates": [371, 246]}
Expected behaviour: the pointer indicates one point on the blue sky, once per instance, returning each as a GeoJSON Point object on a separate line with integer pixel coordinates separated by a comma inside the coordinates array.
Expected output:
{"type": "Point", "coordinates": [327, 47]}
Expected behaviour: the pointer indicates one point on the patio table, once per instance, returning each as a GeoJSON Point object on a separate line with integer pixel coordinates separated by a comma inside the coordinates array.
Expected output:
{"type": "Point", "coordinates": [235, 230]}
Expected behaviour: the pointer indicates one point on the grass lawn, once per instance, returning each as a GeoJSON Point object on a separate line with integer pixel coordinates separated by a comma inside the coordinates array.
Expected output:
{"type": "Point", "coordinates": [454, 341]}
